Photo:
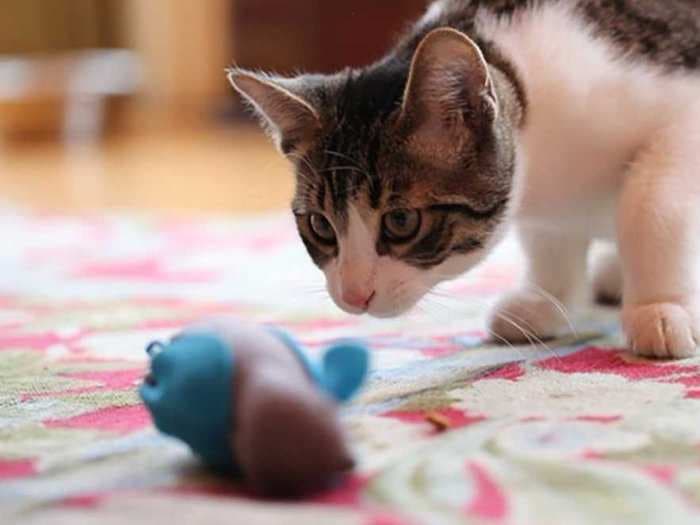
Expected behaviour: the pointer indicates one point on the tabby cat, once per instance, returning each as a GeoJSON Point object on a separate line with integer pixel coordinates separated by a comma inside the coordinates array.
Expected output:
{"type": "Point", "coordinates": [571, 120]}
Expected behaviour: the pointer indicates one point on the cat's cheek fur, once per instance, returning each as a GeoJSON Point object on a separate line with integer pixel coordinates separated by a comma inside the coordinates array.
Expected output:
{"type": "Point", "coordinates": [399, 287]}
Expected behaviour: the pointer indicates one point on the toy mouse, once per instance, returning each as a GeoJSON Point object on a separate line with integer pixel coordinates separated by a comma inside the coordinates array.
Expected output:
{"type": "Point", "coordinates": [250, 403]}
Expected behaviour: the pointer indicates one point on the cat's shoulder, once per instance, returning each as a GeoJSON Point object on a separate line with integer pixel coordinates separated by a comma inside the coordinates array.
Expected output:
{"type": "Point", "coordinates": [664, 32]}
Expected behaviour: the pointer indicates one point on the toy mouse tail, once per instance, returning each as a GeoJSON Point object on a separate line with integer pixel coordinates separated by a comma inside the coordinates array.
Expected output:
{"type": "Point", "coordinates": [344, 369]}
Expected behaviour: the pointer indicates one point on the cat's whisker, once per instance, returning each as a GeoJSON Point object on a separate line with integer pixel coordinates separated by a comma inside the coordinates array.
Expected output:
{"type": "Point", "coordinates": [302, 158]}
{"type": "Point", "coordinates": [556, 303]}
{"type": "Point", "coordinates": [309, 178]}
{"type": "Point", "coordinates": [306, 191]}
{"type": "Point", "coordinates": [305, 287]}
{"type": "Point", "coordinates": [345, 157]}
{"type": "Point", "coordinates": [559, 306]}
{"type": "Point", "coordinates": [432, 301]}
{"type": "Point", "coordinates": [526, 330]}
{"type": "Point", "coordinates": [426, 311]}
{"type": "Point", "coordinates": [304, 180]}
{"type": "Point", "coordinates": [313, 290]}
{"type": "Point", "coordinates": [341, 168]}
{"type": "Point", "coordinates": [507, 343]}
{"type": "Point", "coordinates": [520, 324]}
{"type": "Point", "coordinates": [492, 334]}
{"type": "Point", "coordinates": [358, 168]}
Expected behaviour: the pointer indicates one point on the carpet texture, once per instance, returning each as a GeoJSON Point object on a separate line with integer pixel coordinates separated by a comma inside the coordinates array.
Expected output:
{"type": "Point", "coordinates": [449, 430]}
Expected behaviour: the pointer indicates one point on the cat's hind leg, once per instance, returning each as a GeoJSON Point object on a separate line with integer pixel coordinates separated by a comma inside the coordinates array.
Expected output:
{"type": "Point", "coordinates": [659, 241]}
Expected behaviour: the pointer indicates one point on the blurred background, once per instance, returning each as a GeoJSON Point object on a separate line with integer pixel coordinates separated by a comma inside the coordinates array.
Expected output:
{"type": "Point", "coordinates": [124, 103]}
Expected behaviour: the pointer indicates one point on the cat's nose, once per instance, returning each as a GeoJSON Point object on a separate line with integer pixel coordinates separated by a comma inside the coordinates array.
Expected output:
{"type": "Point", "coordinates": [359, 299]}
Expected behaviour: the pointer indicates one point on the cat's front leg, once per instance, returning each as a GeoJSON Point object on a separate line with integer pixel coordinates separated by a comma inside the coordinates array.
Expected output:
{"type": "Point", "coordinates": [659, 239]}
{"type": "Point", "coordinates": [554, 283]}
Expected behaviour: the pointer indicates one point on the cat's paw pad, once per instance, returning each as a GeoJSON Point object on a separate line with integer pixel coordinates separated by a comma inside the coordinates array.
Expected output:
{"type": "Point", "coordinates": [662, 330]}
{"type": "Point", "coordinates": [607, 280]}
{"type": "Point", "coordinates": [527, 317]}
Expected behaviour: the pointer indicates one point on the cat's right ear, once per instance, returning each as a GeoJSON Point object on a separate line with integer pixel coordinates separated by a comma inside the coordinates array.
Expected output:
{"type": "Point", "coordinates": [288, 117]}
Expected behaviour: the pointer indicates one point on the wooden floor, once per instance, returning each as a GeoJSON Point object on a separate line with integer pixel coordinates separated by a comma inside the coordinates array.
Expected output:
{"type": "Point", "coordinates": [210, 170]}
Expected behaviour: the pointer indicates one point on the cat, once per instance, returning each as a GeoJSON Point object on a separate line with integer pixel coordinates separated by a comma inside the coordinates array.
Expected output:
{"type": "Point", "coordinates": [567, 120]}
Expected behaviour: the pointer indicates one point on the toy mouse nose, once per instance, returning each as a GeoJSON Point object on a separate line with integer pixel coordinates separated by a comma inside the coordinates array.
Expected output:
{"type": "Point", "coordinates": [154, 348]}
{"type": "Point", "coordinates": [358, 298]}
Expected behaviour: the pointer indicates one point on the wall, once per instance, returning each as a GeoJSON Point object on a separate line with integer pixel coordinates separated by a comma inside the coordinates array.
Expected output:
{"type": "Point", "coordinates": [31, 26]}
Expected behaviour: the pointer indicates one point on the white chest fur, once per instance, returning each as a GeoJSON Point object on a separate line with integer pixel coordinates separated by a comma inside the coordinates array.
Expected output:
{"type": "Point", "coordinates": [590, 112]}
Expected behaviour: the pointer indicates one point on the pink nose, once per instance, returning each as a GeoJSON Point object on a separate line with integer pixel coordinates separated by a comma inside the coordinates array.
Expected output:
{"type": "Point", "coordinates": [358, 298]}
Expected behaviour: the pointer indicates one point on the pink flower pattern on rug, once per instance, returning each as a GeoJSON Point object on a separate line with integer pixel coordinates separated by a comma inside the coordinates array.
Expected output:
{"type": "Point", "coordinates": [450, 429]}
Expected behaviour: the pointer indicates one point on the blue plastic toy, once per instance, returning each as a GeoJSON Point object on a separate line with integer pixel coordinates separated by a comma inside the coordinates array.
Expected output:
{"type": "Point", "coordinates": [250, 402]}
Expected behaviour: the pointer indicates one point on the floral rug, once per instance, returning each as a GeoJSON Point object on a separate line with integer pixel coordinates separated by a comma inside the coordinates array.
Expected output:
{"type": "Point", "coordinates": [449, 430]}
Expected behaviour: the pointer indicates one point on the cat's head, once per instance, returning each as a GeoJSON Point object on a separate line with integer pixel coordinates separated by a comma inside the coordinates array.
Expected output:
{"type": "Point", "coordinates": [404, 169]}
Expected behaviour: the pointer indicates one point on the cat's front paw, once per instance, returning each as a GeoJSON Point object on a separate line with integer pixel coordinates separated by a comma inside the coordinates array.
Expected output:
{"type": "Point", "coordinates": [526, 316]}
{"type": "Point", "coordinates": [662, 330]}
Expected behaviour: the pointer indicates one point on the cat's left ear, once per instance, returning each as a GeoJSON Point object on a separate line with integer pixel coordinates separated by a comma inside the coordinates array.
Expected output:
{"type": "Point", "coordinates": [449, 85]}
{"type": "Point", "coordinates": [286, 114]}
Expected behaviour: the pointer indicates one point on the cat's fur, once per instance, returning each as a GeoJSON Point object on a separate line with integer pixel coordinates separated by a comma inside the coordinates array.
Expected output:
{"type": "Point", "coordinates": [574, 119]}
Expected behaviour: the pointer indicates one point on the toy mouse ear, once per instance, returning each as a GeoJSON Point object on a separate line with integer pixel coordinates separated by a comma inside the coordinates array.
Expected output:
{"type": "Point", "coordinates": [344, 369]}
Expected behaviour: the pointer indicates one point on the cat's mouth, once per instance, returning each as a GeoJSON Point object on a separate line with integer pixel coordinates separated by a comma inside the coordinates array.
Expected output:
{"type": "Point", "coordinates": [382, 307]}
{"type": "Point", "coordinates": [390, 312]}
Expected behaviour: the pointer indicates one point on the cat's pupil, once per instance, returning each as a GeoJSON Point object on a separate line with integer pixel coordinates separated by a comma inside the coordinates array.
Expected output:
{"type": "Point", "coordinates": [400, 219]}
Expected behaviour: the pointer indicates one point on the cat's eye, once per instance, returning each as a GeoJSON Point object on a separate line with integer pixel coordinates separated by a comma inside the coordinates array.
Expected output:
{"type": "Point", "coordinates": [401, 225]}
{"type": "Point", "coordinates": [322, 228]}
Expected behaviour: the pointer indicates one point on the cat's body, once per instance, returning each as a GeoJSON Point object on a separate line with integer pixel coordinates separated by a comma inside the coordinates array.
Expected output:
{"type": "Point", "coordinates": [578, 120]}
